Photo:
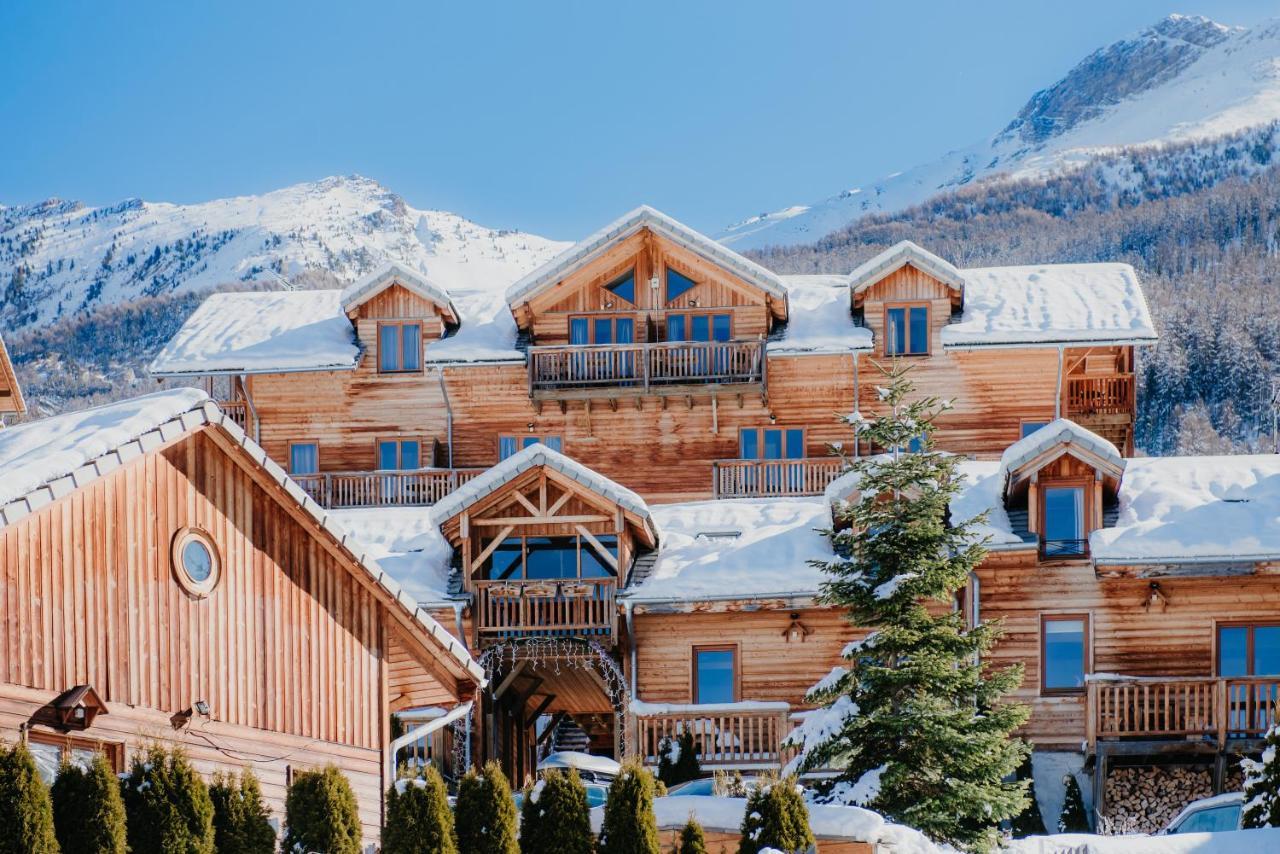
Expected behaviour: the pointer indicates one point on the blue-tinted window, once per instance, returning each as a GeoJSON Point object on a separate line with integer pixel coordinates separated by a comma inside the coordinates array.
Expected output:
{"type": "Point", "coordinates": [795, 444]}
{"type": "Point", "coordinates": [388, 455]}
{"type": "Point", "coordinates": [551, 557]}
{"type": "Point", "coordinates": [624, 330]}
{"type": "Point", "coordinates": [625, 287]}
{"type": "Point", "coordinates": [1029, 427]}
{"type": "Point", "coordinates": [411, 346]}
{"type": "Point", "coordinates": [388, 348]}
{"type": "Point", "coordinates": [675, 328]}
{"type": "Point", "coordinates": [700, 328]}
{"type": "Point", "coordinates": [593, 564]}
{"type": "Point", "coordinates": [410, 454]}
{"type": "Point", "coordinates": [505, 560]}
{"type": "Point", "coordinates": [677, 284]}
{"type": "Point", "coordinates": [896, 333]}
{"type": "Point", "coordinates": [1248, 650]}
{"type": "Point", "coordinates": [1266, 650]}
{"type": "Point", "coordinates": [772, 444]}
{"type": "Point", "coordinates": [304, 458]}
{"type": "Point", "coordinates": [1063, 656]}
{"type": "Point", "coordinates": [552, 442]}
{"type": "Point", "coordinates": [579, 331]}
{"type": "Point", "coordinates": [1064, 521]}
{"type": "Point", "coordinates": [721, 327]}
{"type": "Point", "coordinates": [919, 329]}
{"type": "Point", "coordinates": [749, 444]}
{"type": "Point", "coordinates": [399, 347]}
{"type": "Point", "coordinates": [603, 330]}
{"type": "Point", "coordinates": [906, 331]}
{"type": "Point", "coordinates": [507, 446]}
{"type": "Point", "coordinates": [714, 676]}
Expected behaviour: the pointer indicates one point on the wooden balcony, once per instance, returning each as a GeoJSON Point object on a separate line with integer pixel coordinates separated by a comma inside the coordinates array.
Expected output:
{"type": "Point", "coordinates": [576, 607]}
{"type": "Point", "coordinates": [730, 735]}
{"type": "Point", "coordinates": [1111, 394]}
{"type": "Point", "coordinates": [632, 370]}
{"type": "Point", "coordinates": [412, 488]}
{"type": "Point", "coordinates": [1209, 711]}
{"type": "Point", "coordinates": [773, 478]}
{"type": "Point", "coordinates": [237, 411]}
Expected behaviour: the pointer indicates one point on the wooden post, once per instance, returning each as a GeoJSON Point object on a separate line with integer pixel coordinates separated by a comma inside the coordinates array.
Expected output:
{"type": "Point", "coordinates": [1221, 712]}
{"type": "Point", "coordinates": [1091, 718]}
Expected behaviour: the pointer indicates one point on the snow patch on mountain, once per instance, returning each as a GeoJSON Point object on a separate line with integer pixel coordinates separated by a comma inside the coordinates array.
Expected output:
{"type": "Point", "coordinates": [1186, 78]}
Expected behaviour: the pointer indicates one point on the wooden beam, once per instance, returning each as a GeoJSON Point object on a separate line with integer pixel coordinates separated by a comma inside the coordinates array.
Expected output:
{"type": "Point", "coordinates": [508, 679]}
{"type": "Point", "coordinates": [542, 707]}
{"type": "Point", "coordinates": [560, 502]}
{"type": "Point", "coordinates": [555, 722]}
{"type": "Point", "coordinates": [537, 520]}
{"type": "Point", "coordinates": [527, 504]}
{"type": "Point", "coordinates": [489, 549]}
{"type": "Point", "coordinates": [603, 552]}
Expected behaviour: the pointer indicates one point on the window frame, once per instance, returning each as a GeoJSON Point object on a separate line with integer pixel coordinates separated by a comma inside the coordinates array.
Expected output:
{"type": "Point", "coordinates": [715, 647]}
{"type": "Point", "coordinates": [688, 315]}
{"type": "Point", "coordinates": [614, 281]}
{"type": "Point", "coordinates": [181, 538]}
{"type": "Point", "coordinates": [582, 543]}
{"type": "Point", "coordinates": [667, 270]}
{"type": "Point", "coordinates": [519, 438]}
{"type": "Point", "coordinates": [313, 444]}
{"type": "Point", "coordinates": [1086, 654]}
{"type": "Point", "coordinates": [613, 317]}
{"type": "Point", "coordinates": [1250, 626]}
{"type": "Point", "coordinates": [400, 441]}
{"type": "Point", "coordinates": [1085, 485]}
{"type": "Point", "coordinates": [400, 324]}
{"type": "Point", "coordinates": [907, 339]}
{"type": "Point", "coordinates": [113, 750]}
{"type": "Point", "coordinates": [1022, 426]}
{"type": "Point", "coordinates": [783, 428]}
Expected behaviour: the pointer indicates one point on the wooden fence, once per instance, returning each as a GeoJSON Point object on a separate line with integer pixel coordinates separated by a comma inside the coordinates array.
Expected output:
{"type": "Point", "coordinates": [771, 478]}
{"type": "Point", "coordinates": [412, 488]}
{"type": "Point", "coordinates": [1213, 709]}
{"type": "Point", "coordinates": [731, 735]}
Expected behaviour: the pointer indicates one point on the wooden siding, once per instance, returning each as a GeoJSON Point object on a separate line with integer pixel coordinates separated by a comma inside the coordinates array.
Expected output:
{"type": "Point", "coordinates": [10, 392]}
{"type": "Point", "coordinates": [769, 668]}
{"type": "Point", "coordinates": [1129, 637]}
{"type": "Point", "coordinates": [216, 746]}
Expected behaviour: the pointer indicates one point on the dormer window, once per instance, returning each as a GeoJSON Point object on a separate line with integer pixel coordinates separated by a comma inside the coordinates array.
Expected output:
{"type": "Point", "coordinates": [624, 287]}
{"type": "Point", "coordinates": [906, 330]}
{"type": "Point", "coordinates": [399, 347]}
{"type": "Point", "coordinates": [678, 285]}
{"type": "Point", "coordinates": [1062, 525]}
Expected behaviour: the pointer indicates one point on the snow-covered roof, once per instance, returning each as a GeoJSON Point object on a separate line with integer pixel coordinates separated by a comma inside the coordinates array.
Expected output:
{"type": "Point", "coordinates": [737, 548]}
{"type": "Point", "coordinates": [407, 543]}
{"type": "Point", "coordinates": [262, 332]}
{"type": "Point", "coordinates": [1194, 509]}
{"type": "Point", "coordinates": [487, 333]}
{"type": "Point", "coordinates": [43, 461]}
{"type": "Point", "coordinates": [582, 762]}
{"type": "Point", "coordinates": [620, 229]}
{"type": "Point", "coordinates": [536, 455]}
{"type": "Point", "coordinates": [1051, 304]}
{"type": "Point", "coordinates": [394, 273]}
{"type": "Point", "coordinates": [896, 257]}
{"type": "Point", "coordinates": [1059, 432]}
{"type": "Point", "coordinates": [820, 320]}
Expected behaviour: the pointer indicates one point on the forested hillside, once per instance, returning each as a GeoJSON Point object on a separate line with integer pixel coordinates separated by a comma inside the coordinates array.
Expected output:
{"type": "Point", "coordinates": [1200, 222]}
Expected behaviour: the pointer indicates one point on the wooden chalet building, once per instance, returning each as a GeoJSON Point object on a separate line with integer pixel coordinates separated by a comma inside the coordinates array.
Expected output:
{"type": "Point", "coordinates": [11, 402]}
{"type": "Point", "coordinates": [608, 480]}
{"type": "Point", "coordinates": [163, 580]}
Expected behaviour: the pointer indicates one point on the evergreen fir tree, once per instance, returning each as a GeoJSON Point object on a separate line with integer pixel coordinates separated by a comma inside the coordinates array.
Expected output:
{"type": "Point", "coordinates": [241, 821]}
{"type": "Point", "coordinates": [1073, 819]}
{"type": "Point", "coordinates": [920, 663]}
{"type": "Point", "coordinates": [88, 813]}
{"type": "Point", "coordinates": [557, 816]}
{"type": "Point", "coordinates": [485, 815]}
{"type": "Point", "coordinates": [691, 840]}
{"type": "Point", "coordinates": [418, 817]}
{"type": "Point", "coordinates": [166, 804]}
{"type": "Point", "coordinates": [678, 759]}
{"type": "Point", "coordinates": [26, 811]}
{"type": "Point", "coordinates": [1029, 822]}
{"type": "Point", "coordinates": [1262, 785]}
{"type": "Point", "coordinates": [777, 818]}
{"type": "Point", "coordinates": [320, 814]}
{"type": "Point", "coordinates": [630, 826]}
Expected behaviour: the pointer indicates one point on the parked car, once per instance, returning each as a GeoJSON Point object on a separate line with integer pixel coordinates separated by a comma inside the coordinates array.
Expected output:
{"type": "Point", "coordinates": [596, 769]}
{"type": "Point", "coordinates": [706, 787]}
{"type": "Point", "coordinates": [1221, 812]}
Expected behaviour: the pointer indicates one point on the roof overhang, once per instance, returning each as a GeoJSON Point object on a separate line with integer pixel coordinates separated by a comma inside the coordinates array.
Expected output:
{"type": "Point", "coordinates": [397, 274]}
{"type": "Point", "coordinates": [900, 255]}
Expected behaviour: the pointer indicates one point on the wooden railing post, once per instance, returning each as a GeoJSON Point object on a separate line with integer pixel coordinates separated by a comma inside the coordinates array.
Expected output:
{"type": "Point", "coordinates": [1091, 720]}
{"type": "Point", "coordinates": [1221, 711]}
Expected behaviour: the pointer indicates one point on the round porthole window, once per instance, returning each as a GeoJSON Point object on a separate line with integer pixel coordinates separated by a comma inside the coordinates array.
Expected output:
{"type": "Point", "coordinates": [195, 561]}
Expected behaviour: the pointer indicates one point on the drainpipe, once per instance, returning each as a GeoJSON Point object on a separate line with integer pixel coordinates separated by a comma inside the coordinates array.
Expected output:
{"type": "Point", "coordinates": [975, 608]}
{"type": "Point", "coordinates": [856, 440]}
{"type": "Point", "coordinates": [448, 412]}
{"type": "Point", "coordinates": [631, 639]}
{"type": "Point", "coordinates": [457, 621]}
{"type": "Point", "coordinates": [1057, 398]}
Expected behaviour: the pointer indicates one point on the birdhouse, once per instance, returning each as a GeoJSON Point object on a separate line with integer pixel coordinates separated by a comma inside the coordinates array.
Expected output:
{"type": "Point", "coordinates": [74, 709]}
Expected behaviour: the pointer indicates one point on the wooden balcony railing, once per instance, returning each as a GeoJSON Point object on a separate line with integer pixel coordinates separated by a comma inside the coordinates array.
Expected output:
{"type": "Point", "coordinates": [641, 369]}
{"type": "Point", "coordinates": [237, 411]}
{"type": "Point", "coordinates": [770, 478]}
{"type": "Point", "coordinates": [1100, 395]}
{"type": "Point", "coordinates": [412, 488]}
{"type": "Point", "coordinates": [729, 735]}
{"type": "Point", "coordinates": [571, 607]}
{"type": "Point", "coordinates": [1211, 709]}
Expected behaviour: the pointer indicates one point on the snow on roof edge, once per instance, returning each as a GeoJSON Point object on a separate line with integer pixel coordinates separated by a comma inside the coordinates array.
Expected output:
{"type": "Point", "coordinates": [899, 254]}
{"type": "Point", "coordinates": [393, 271]}
{"type": "Point", "coordinates": [1060, 431]}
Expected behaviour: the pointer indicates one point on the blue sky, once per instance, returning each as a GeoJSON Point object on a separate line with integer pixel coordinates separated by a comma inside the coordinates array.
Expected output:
{"type": "Point", "coordinates": [548, 116]}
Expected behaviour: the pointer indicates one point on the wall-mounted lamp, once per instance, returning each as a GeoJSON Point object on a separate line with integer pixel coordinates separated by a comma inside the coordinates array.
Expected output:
{"type": "Point", "coordinates": [180, 719]}
{"type": "Point", "coordinates": [529, 426]}
{"type": "Point", "coordinates": [1156, 597]}
{"type": "Point", "coordinates": [797, 631]}
{"type": "Point", "coordinates": [773, 419]}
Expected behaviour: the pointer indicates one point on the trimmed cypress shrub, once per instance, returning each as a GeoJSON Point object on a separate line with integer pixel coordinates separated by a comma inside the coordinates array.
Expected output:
{"type": "Point", "coordinates": [775, 817]}
{"type": "Point", "coordinates": [1029, 822]}
{"type": "Point", "coordinates": [241, 823]}
{"type": "Point", "coordinates": [418, 817]}
{"type": "Point", "coordinates": [88, 812]}
{"type": "Point", "coordinates": [26, 811]}
{"type": "Point", "coordinates": [1073, 819]}
{"type": "Point", "coordinates": [166, 804]}
{"type": "Point", "coordinates": [320, 814]}
{"type": "Point", "coordinates": [558, 819]}
{"type": "Point", "coordinates": [678, 759]}
{"type": "Point", "coordinates": [629, 824]}
{"type": "Point", "coordinates": [691, 839]}
{"type": "Point", "coordinates": [485, 815]}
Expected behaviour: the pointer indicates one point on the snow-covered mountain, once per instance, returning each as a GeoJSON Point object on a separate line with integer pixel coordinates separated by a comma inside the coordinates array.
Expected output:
{"type": "Point", "coordinates": [1184, 79]}
{"type": "Point", "coordinates": [58, 258]}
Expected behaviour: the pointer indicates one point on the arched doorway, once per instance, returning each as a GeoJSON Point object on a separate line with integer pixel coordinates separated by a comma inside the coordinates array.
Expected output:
{"type": "Point", "coordinates": [538, 683]}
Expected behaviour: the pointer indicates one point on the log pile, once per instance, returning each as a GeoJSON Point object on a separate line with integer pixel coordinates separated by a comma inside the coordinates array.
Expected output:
{"type": "Point", "coordinates": [1144, 799]}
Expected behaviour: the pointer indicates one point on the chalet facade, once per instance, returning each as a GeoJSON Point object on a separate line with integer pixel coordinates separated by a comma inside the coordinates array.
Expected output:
{"type": "Point", "coordinates": [162, 579]}
{"type": "Point", "coordinates": [11, 402]}
{"type": "Point", "coordinates": [608, 480]}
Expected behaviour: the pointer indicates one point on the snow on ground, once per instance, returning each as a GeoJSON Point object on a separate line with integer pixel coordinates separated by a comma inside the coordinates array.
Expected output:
{"type": "Point", "coordinates": [738, 547]}
{"type": "Point", "coordinates": [37, 452]}
{"type": "Point", "coordinates": [1051, 303]}
{"type": "Point", "coordinates": [407, 543]}
{"type": "Point", "coordinates": [1175, 508]}
{"type": "Point", "coordinates": [262, 331]}
{"type": "Point", "coordinates": [1233, 842]}
{"type": "Point", "coordinates": [820, 319]}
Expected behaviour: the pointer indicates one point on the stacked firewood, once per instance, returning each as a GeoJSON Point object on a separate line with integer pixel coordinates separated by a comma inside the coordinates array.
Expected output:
{"type": "Point", "coordinates": [1144, 799]}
